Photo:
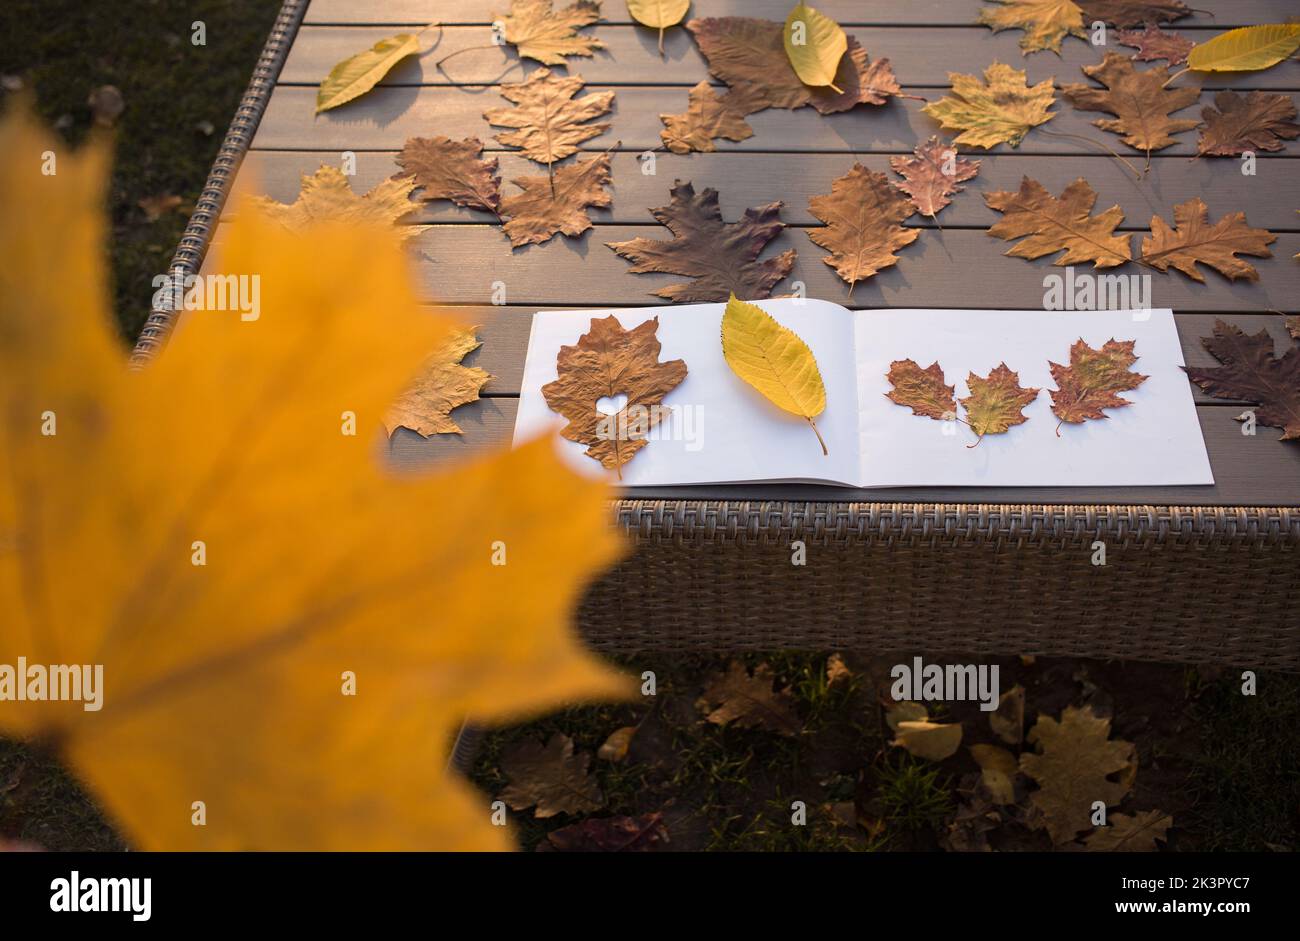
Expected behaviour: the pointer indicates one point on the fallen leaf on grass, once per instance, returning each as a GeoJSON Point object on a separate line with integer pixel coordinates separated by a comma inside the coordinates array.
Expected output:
{"type": "Point", "coordinates": [641, 834]}
{"type": "Point", "coordinates": [443, 385]}
{"type": "Point", "coordinates": [155, 207]}
{"type": "Point", "coordinates": [326, 196]}
{"type": "Point", "coordinates": [549, 206]}
{"type": "Point", "coordinates": [1142, 106]}
{"type": "Point", "coordinates": [1008, 720]}
{"type": "Point", "coordinates": [1248, 49]}
{"type": "Point", "coordinates": [933, 741]}
{"type": "Point", "coordinates": [814, 45]}
{"type": "Point", "coordinates": [1000, 110]}
{"type": "Point", "coordinates": [998, 769]}
{"type": "Point", "coordinates": [932, 174]}
{"type": "Point", "coordinates": [1255, 121]}
{"type": "Point", "coordinates": [837, 671]}
{"type": "Point", "coordinates": [708, 116]}
{"type": "Point", "coordinates": [1093, 380]}
{"type": "Point", "coordinates": [1045, 22]}
{"type": "Point", "coordinates": [995, 403]}
{"type": "Point", "coordinates": [904, 710]}
{"type": "Point", "coordinates": [550, 778]}
{"type": "Point", "coordinates": [749, 702]}
{"type": "Point", "coordinates": [1134, 12]}
{"type": "Point", "coordinates": [357, 74]}
{"type": "Point", "coordinates": [537, 31]}
{"type": "Point", "coordinates": [454, 170]}
{"type": "Point", "coordinates": [549, 122]}
{"type": "Point", "coordinates": [1250, 371]}
{"type": "Point", "coordinates": [1155, 43]}
{"type": "Point", "coordinates": [1193, 239]}
{"type": "Point", "coordinates": [615, 747]}
{"type": "Point", "coordinates": [1049, 224]}
{"type": "Point", "coordinates": [1130, 834]}
{"type": "Point", "coordinates": [922, 390]}
{"type": "Point", "coordinates": [862, 212]}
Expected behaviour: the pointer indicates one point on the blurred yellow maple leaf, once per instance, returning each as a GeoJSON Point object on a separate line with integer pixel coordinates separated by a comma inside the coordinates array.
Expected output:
{"type": "Point", "coordinates": [224, 682]}
{"type": "Point", "coordinates": [327, 196]}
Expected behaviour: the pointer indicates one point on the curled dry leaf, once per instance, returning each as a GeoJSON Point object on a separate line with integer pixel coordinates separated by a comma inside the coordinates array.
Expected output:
{"type": "Point", "coordinates": [610, 835]}
{"type": "Point", "coordinates": [1155, 43]}
{"type": "Point", "coordinates": [326, 196]}
{"type": "Point", "coordinates": [708, 116]}
{"type": "Point", "coordinates": [922, 390]}
{"type": "Point", "coordinates": [814, 45]}
{"type": "Point", "coordinates": [1247, 49]}
{"type": "Point", "coordinates": [1237, 123]}
{"type": "Point", "coordinates": [615, 747]}
{"type": "Point", "coordinates": [995, 403]}
{"type": "Point", "coordinates": [749, 702]}
{"type": "Point", "coordinates": [550, 778]}
{"type": "Point", "coordinates": [1139, 100]}
{"type": "Point", "coordinates": [1049, 224]}
{"type": "Point", "coordinates": [606, 362]}
{"type": "Point", "coordinates": [1093, 380]}
{"type": "Point", "coordinates": [454, 170]}
{"type": "Point", "coordinates": [1130, 834]}
{"type": "Point", "coordinates": [1193, 239]}
{"type": "Point", "coordinates": [999, 110]}
{"type": "Point", "coordinates": [904, 710]}
{"type": "Point", "coordinates": [357, 74]}
{"type": "Point", "coordinates": [862, 213]}
{"type": "Point", "coordinates": [722, 257]}
{"type": "Point", "coordinates": [548, 206]}
{"type": "Point", "coordinates": [933, 741]}
{"type": "Point", "coordinates": [549, 122]}
{"type": "Point", "coordinates": [932, 174]}
{"type": "Point", "coordinates": [837, 671]}
{"type": "Point", "coordinates": [443, 384]}
{"type": "Point", "coordinates": [1250, 371]}
{"type": "Point", "coordinates": [1134, 12]}
{"type": "Point", "coordinates": [1045, 22]}
{"type": "Point", "coordinates": [998, 769]}
{"type": "Point", "coordinates": [540, 32]}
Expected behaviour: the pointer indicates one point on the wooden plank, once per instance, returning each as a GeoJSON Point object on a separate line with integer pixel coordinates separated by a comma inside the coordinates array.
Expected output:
{"type": "Point", "coordinates": [386, 117]}
{"type": "Point", "coordinates": [1269, 198]}
{"type": "Point", "coordinates": [1228, 13]}
{"type": "Point", "coordinates": [1254, 470]}
{"type": "Point", "coordinates": [920, 57]}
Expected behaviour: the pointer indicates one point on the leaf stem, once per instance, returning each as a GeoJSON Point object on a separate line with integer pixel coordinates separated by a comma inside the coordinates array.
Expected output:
{"type": "Point", "coordinates": [819, 436]}
{"type": "Point", "coordinates": [1090, 141]}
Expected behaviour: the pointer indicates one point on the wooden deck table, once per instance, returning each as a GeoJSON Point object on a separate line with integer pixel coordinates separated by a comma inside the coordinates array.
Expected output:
{"type": "Point", "coordinates": [1193, 574]}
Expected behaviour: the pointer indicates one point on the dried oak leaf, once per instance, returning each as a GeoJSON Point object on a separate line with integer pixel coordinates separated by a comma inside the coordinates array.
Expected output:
{"type": "Point", "coordinates": [1059, 224]}
{"type": "Point", "coordinates": [1250, 371]}
{"type": "Point", "coordinates": [999, 110]}
{"type": "Point", "coordinates": [749, 55]}
{"type": "Point", "coordinates": [1134, 12]}
{"type": "Point", "coordinates": [549, 205]}
{"type": "Point", "coordinates": [721, 256]}
{"type": "Point", "coordinates": [641, 834]}
{"type": "Point", "coordinates": [537, 31]}
{"type": "Point", "coordinates": [1141, 104]}
{"type": "Point", "coordinates": [749, 702]}
{"type": "Point", "coordinates": [1130, 834]}
{"type": "Point", "coordinates": [550, 778]}
{"type": "Point", "coordinates": [862, 213]}
{"type": "Point", "coordinates": [708, 116]}
{"type": "Point", "coordinates": [1045, 22]}
{"type": "Point", "coordinates": [995, 403]}
{"type": "Point", "coordinates": [453, 169]}
{"type": "Point", "coordinates": [1093, 380]}
{"type": "Point", "coordinates": [922, 390]}
{"type": "Point", "coordinates": [1073, 768]}
{"type": "Point", "coordinates": [1155, 43]}
{"type": "Point", "coordinates": [934, 173]}
{"type": "Point", "coordinates": [606, 362]}
{"type": "Point", "coordinates": [1255, 121]}
{"type": "Point", "coordinates": [1194, 240]}
{"type": "Point", "coordinates": [550, 123]}
{"type": "Point", "coordinates": [326, 196]}
{"type": "Point", "coordinates": [442, 385]}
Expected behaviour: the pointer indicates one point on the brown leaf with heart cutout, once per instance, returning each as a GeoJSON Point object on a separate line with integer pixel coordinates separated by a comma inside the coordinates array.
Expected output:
{"type": "Point", "coordinates": [1141, 104]}
{"type": "Point", "coordinates": [537, 31]}
{"type": "Point", "coordinates": [1155, 43]}
{"type": "Point", "coordinates": [1193, 239]}
{"type": "Point", "coordinates": [708, 116]}
{"type": "Point", "coordinates": [549, 206]}
{"type": "Point", "coordinates": [932, 174]}
{"type": "Point", "coordinates": [922, 390]}
{"type": "Point", "coordinates": [1134, 12]}
{"type": "Point", "coordinates": [862, 213]}
{"type": "Point", "coordinates": [749, 702]}
{"type": "Point", "coordinates": [550, 778]}
{"type": "Point", "coordinates": [442, 385]}
{"type": "Point", "coordinates": [722, 257]}
{"type": "Point", "coordinates": [454, 170]}
{"type": "Point", "coordinates": [550, 123]}
{"type": "Point", "coordinates": [1093, 380]}
{"type": "Point", "coordinates": [1252, 372]}
{"type": "Point", "coordinates": [995, 403]}
{"type": "Point", "coordinates": [1237, 123]}
{"type": "Point", "coordinates": [1059, 224]}
{"type": "Point", "coordinates": [606, 362]}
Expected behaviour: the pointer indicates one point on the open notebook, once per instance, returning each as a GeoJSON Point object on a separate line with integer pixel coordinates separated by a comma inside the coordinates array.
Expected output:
{"type": "Point", "coordinates": [722, 431]}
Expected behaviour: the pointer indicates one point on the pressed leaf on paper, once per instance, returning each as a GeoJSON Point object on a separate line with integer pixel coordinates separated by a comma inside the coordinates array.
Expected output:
{"type": "Point", "coordinates": [549, 778]}
{"type": "Point", "coordinates": [548, 206]}
{"type": "Point", "coordinates": [357, 74]}
{"type": "Point", "coordinates": [454, 170]}
{"type": "Point", "coordinates": [1141, 104]}
{"type": "Point", "coordinates": [922, 390]}
{"type": "Point", "coordinates": [658, 14]}
{"type": "Point", "coordinates": [326, 196]}
{"type": "Point", "coordinates": [1134, 12]}
{"type": "Point", "coordinates": [995, 403]}
{"type": "Point", "coordinates": [1155, 43]}
{"type": "Point", "coordinates": [1045, 22]}
{"type": "Point", "coordinates": [1130, 834]}
{"type": "Point", "coordinates": [443, 385]}
{"type": "Point", "coordinates": [814, 45]}
{"type": "Point", "coordinates": [1193, 239]}
{"type": "Point", "coordinates": [932, 174]}
{"type": "Point", "coordinates": [722, 257]}
{"type": "Point", "coordinates": [537, 31]}
{"type": "Point", "coordinates": [1254, 121]}
{"type": "Point", "coordinates": [1252, 372]}
{"type": "Point", "coordinates": [1093, 380]}
{"type": "Point", "coordinates": [224, 682]}
{"type": "Point", "coordinates": [607, 362]}
{"type": "Point", "coordinates": [749, 702]}
{"type": "Point", "coordinates": [1049, 224]}
{"type": "Point", "coordinates": [549, 122]}
{"type": "Point", "coordinates": [999, 110]}
{"type": "Point", "coordinates": [1247, 49]}
{"type": "Point", "coordinates": [774, 360]}
{"type": "Point", "coordinates": [708, 116]}
{"type": "Point", "coordinates": [862, 212]}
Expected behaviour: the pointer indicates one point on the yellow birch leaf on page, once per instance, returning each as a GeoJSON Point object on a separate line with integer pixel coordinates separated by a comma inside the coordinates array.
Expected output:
{"type": "Point", "coordinates": [357, 74]}
{"type": "Point", "coordinates": [814, 44]}
{"type": "Point", "coordinates": [231, 607]}
{"type": "Point", "coordinates": [774, 360]}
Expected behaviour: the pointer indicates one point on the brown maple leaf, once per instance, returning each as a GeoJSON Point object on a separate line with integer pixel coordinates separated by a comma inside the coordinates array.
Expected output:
{"type": "Point", "coordinates": [454, 170]}
{"type": "Point", "coordinates": [1252, 372]}
{"type": "Point", "coordinates": [442, 385]}
{"type": "Point", "coordinates": [721, 256]}
{"type": "Point", "coordinates": [539, 32]}
{"type": "Point", "coordinates": [1134, 12]}
{"type": "Point", "coordinates": [933, 174]}
{"type": "Point", "coordinates": [1194, 240]}
{"type": "Point", "coordinates": [922, 390]}
{"type": "Point", "coordinates": [607, 362]}
{"type": "Point", "coordinates": [550, 778]}
{"type": "Point", "coordinates": [1255, 121]}
{"type": "Point", "coordinates": [1141, 104]}
{"type": "Point", "coordinates": [749, 702]}
{"type": "Point", "coordinates": [708, 116]}
{"type": "Point", "coordinates": [1093, 380]}
{"type": "Point", "coordinates": [995, 403]}
{"type": "Point", "coordinates": [862, 215]}
{"type": "Point", "coordinates": [550, 123]}
{"type": "Point", "coordinates": [1155, 43]}
{"type": "Point", "coordinates": [553, 205]}
{"type": "Point", "coordinates": [1125, 834]}
{"type": "Point", "coordinates": [1063, 224]}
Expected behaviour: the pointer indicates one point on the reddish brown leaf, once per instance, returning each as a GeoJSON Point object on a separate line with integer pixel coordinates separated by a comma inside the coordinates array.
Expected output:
{"type": "Point", "coordinates": [933, 174]}
{"type": "Point", "coordinates": [454, 170]}
{"type": "Point", "coordinates": [1141, 104]}
{"type": "Point", "coordinates": [1093, 380]}
{"type": "Point", "coordinates": [922, 390]}
{"type": "Point", "coordinates": [862, 216]}
{"type": "Point", "coordinates": [1252, 372]}
{"type": "Point", "coordinates": [707, 117]}
{"type": "Point", "coordinates": [1155, 43]}
{"type": "Point", "coordinates": [1063, 224]}
{"type": "Point", "coordinates": [721, 256]}
{"type": "Point", "coordinates": [550, 778]}
{"type": "Point", "coordinates": [1133, 12]}
{"type": "Point", "coordinates": [995, 403]}
{"type": "Point", "coordinates": [1194, 240]}
{"type": "Point", "coordinates": [1255, 121]}
{"type": "Point", "coordinates": [547, 206]}
{"type": "Point", "coordinates": [641, 834]}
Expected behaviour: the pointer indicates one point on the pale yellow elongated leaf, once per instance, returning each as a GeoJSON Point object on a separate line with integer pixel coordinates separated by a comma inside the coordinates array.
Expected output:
{"type": "Point", "coordinates": [933, 741]}
{"type": "Point", "coordinates": [814, 44]}
{"type": "Point", "coordinates": [658, 14]}
{"type": "Point", "coordinates": [774, 361]}
{"type": "Point", "coordinates": [1248, 49]}
{"type": "Point", "coordinates": [355, 76]}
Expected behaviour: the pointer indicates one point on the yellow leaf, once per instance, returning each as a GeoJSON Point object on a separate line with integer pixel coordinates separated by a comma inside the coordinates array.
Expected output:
{"type": "Point", "coordinates": [905, 711]}
{"type": "Point", "coordinates": [203, 531]}
{"type": "Point", "coordinates": [1002, 109]}
{"type": "Point", "coordinates": [444, 384]}
{"type": "Point", "coordinates": [933, 741]}
{"type": "Point", "coordinates": [998, 768]}
{"type": "Point", "coordinates": [356, 75]}
{"type": "Point", "coordinates": [1045, 22]}
{"type": "Point", "coordinates": [773, 360]}
{"type": "Point", "coordinates": [658, 14]}
{"type": "Point", "coordinates": [1247, 49]}
{"type": "Point", "coordinates": [814, 44]}
{"type": "Point", "coordinates": [326, 196]}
